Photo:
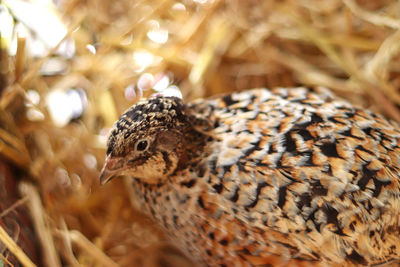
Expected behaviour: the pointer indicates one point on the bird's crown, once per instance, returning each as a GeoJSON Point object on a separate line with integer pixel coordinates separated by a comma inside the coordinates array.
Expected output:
{"type": "Point", "coordinates": [147, 116]}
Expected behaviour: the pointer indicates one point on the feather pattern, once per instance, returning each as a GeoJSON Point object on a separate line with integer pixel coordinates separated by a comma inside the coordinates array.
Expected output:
{"type": "Point", "coordinates": [282, 177]}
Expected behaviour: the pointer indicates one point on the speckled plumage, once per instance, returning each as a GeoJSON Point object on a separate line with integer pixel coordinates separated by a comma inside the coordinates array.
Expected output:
{"type": "Point", "coordinates": [281, 177]}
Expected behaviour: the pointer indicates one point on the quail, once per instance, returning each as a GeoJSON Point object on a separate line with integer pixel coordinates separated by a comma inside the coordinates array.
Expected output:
{"type": "Point", "coordinates": [287, 176]}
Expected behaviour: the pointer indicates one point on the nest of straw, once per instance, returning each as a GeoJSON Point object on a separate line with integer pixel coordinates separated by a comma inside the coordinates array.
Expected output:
{"type": "Point", "coordinates": [122, 50]}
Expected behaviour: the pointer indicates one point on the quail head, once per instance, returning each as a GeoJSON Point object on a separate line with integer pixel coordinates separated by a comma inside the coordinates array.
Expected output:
{"type": "Point", "coordinates": [282, 177]}
{"type": "Point", "coordinates": [153, 140]}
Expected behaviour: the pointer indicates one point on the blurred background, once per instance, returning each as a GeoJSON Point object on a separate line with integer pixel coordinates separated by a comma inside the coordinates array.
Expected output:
{"type": "Point", "coordinates": [68, 69]}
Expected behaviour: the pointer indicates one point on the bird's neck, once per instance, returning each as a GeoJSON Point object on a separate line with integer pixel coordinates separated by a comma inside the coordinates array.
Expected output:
{"type": "Point", "coordinates": [194, 147]}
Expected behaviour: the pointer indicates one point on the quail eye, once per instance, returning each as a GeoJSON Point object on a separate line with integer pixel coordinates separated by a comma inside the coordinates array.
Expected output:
{"type": "Point", "coordinates": [142, 145]}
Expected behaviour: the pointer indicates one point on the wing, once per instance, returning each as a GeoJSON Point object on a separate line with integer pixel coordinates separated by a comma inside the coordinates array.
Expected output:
{"type": "Point", "coordinates": [321, 174]}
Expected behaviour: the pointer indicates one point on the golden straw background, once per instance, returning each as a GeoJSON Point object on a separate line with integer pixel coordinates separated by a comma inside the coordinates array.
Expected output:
{"type": "Point", "coordinates": [116, 51]}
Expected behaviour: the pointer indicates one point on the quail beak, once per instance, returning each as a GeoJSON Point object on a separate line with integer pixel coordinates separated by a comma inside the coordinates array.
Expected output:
{"type": "Point", "coordinates": [110, 170]}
